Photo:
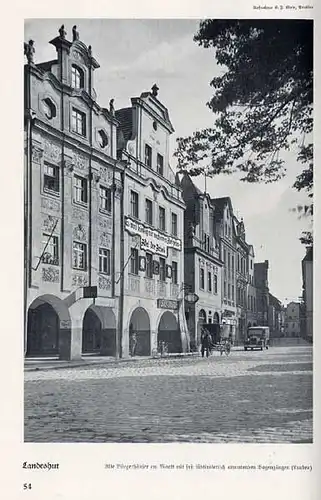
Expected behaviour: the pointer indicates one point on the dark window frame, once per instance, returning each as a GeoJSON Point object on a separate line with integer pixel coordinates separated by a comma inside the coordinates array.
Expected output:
{"type": "Point", "coordinates": [134, 204]}
{"type": "Point", "coordinates": [82, 249]}
{"type": "Point", "coordinates": [77, 77]}
{"type": "Point", "coordinates": [134, 261]}
{"type": "Point", "coordinates": [82, 189]}
{"type": "Point", "coordinates": [160, 164]}
{"type": "Point", "coordinates": [148, 211]}
{"type": "Point", "coordinates": [78, 122]}
{"type": "Point", "coordinates": [148, 155]}
{"type": "Point", "coordinates": [105, 202]}
{"type": "Point", "coordinates": [51, 183]}
{"type": "Point", "coordinates": [104, 260]}
{"type": "Point", "coordinates": [162, 218]}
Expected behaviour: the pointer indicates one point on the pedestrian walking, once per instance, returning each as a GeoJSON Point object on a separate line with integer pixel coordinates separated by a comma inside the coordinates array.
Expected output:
{"type": "Point", "coordinates": [206, 342]}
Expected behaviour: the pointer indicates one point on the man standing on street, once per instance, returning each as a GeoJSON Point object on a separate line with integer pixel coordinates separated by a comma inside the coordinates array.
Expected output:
{"type": "Point", "coordinates": [206, 342]}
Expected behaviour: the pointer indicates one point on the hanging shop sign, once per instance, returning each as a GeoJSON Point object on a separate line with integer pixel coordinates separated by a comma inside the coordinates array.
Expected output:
{"type": "Point", "coordinates": [152, 240]}
{"type": "Point", "coordinates": [167, 304]}
{"type": "Point", "coordinates": [191, 298]}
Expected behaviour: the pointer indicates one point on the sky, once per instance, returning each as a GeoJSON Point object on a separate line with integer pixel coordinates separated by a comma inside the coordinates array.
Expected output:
{"type": "Point", "coordinates": [135, 54]}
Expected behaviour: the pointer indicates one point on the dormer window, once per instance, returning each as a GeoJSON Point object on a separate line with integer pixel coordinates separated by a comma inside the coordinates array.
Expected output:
{"type": "Point", "coordinates": [77, 77]}
{"type": "Point", "coordinates": [49, 108]}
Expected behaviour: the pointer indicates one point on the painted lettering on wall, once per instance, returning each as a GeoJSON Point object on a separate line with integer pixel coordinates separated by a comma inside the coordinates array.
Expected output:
{"type": "Point", "coordinates": [152, 240]}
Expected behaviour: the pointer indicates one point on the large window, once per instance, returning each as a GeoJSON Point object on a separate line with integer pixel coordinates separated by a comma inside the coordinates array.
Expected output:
{"type": "Point", "coordinates": [161, 219]}
{"type": "Point", "coordinates": [149, 212]}
{"type": "Point", "coordinates": [174, 272]}
{"type": "Point", "coordinates": [79, 258]}
{"type": "Point", "coordinates": [162, 269]}
{"type": "Point", "coordinates": [80, 189]}
{"type": "Point", "coordinates": [224, 289]}
{"type": "Point", "coordinates": [50, 249]}
{"type": "Point", "coordinates": [209, 282]}
{"type": "Point", "coordinates": [78, 121]}
{"type": "Point", "coordinates": [77, 77]}
{"type": "Point", "coordinates": [229, 291]}
{"type": "Point", "coordinates": [149, 265]}
{"type": "Point", "coordinates": [134, 204]}
{"type": "Point", "coordinates": [134, 261]}
{"type": "Point", "coordinates": [215, 284]}
{"type": "Point", "coordinates": [174, 224]}
{"type": "Point", "coordinates": [51, 178]}
{"type": "Point", "coordinates": [104, 260]}
{"type": "Point", "coordinates": [105, 198]}
{"type": "Point", "coordinates": [148, 155]}
{"type": "Point", "coordinates": [202, 279]}
{"type": "Point", "coordinates": [160, 164]}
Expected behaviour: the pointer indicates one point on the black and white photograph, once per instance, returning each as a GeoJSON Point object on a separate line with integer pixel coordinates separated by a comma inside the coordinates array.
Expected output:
{"type": "Point", "coordinates": [168, 231]}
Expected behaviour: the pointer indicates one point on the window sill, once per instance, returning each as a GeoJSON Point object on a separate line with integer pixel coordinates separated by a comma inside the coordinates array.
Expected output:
{"type": "Point", "coordinates": [78, 134]}
{"type": "Point", "coordinates": [79, 269]}
{"type": "Point", "coordinates": [50, 263]}
{"type": "Point", "coordinates": [104, 273]}
{"type": "Point", "coordinates": [51, 192]}
{"type": "Point", "coordinates": [80, 203]}
{"type": "Point", "coordinates": [104, 211]}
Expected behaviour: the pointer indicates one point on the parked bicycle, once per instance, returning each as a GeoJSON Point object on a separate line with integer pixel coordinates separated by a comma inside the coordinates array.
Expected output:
{"type": "Point", "coordinates": [161, 351]}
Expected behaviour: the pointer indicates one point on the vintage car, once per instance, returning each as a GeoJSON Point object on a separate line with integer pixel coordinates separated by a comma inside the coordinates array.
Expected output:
{"type": "Point", "coordinates": [257, 337]}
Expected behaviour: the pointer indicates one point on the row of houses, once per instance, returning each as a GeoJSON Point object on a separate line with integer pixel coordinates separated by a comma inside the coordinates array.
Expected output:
{"type": "Point", "coordinates": [114, 239]}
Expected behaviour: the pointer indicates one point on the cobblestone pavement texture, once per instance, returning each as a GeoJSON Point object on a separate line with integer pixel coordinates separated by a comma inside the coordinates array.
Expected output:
{"type": "Point", "coordinates": [259, 397]}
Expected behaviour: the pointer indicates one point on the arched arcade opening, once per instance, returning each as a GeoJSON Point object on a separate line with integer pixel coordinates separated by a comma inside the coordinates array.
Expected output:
{"type": "Point", "coordinates": [169, 332]}
{"type": "Point", "coordinates": [139, 333]}
{"type": "Point", "coordinates": [48, 328]}
{"type": "Point", "coordinates": [99, 331]}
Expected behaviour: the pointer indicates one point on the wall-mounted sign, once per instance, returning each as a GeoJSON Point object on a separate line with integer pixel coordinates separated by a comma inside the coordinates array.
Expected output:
{"type": "Point", "coordinates": [167, 304]}
{"type": "Point", "coordinates": [191, 298]}
{"type": "Point", "coordinates": [89, 292]}
{"type": "Point", "coordinates": [152, 240]}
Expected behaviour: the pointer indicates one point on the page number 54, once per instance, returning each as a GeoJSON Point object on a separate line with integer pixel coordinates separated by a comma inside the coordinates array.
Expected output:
{"type": "Point", "coordinates": [27, 486]}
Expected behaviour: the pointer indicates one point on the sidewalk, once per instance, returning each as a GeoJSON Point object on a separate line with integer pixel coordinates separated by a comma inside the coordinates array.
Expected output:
{"type": "Point", "coordinates": [37, 364]}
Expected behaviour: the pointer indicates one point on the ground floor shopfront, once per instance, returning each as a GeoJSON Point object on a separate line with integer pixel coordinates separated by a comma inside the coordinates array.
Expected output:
{"type": "Point", "coordinates": [149, 322]}
{"type": "Point", "coordinates": [68, 327]}
{"type": "Point", "coordinates": [196, 316]}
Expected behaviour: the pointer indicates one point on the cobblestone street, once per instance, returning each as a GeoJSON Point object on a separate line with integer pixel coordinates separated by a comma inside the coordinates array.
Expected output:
{"type": "Point", "coordinates": [249, 397]}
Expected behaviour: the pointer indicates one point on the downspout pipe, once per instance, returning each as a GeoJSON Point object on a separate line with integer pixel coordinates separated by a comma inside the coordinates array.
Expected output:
{"type": "Point", "coordinates": [119, 337]}
{"type": "Point", "coordinates": [27, 198]}
{"type": "Point", "coordinates": [90, 180]}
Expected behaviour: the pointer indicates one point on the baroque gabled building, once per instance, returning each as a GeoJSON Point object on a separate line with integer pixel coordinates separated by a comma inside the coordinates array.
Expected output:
{"type": "Point", "coordinates": [242, 279]}
{"type": "Point", "coordinates": [261, 270]}
{"type": "Point", "coordinates": [72, 201]}
{"type": "Point", "coordinates": [226, 231]}
{"type": "Point", "coordinates": [251, 313]}
{"type": "Point", "coordinates": [152, 248]}
{"type": "Point", "coordinates": [203, 264]}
